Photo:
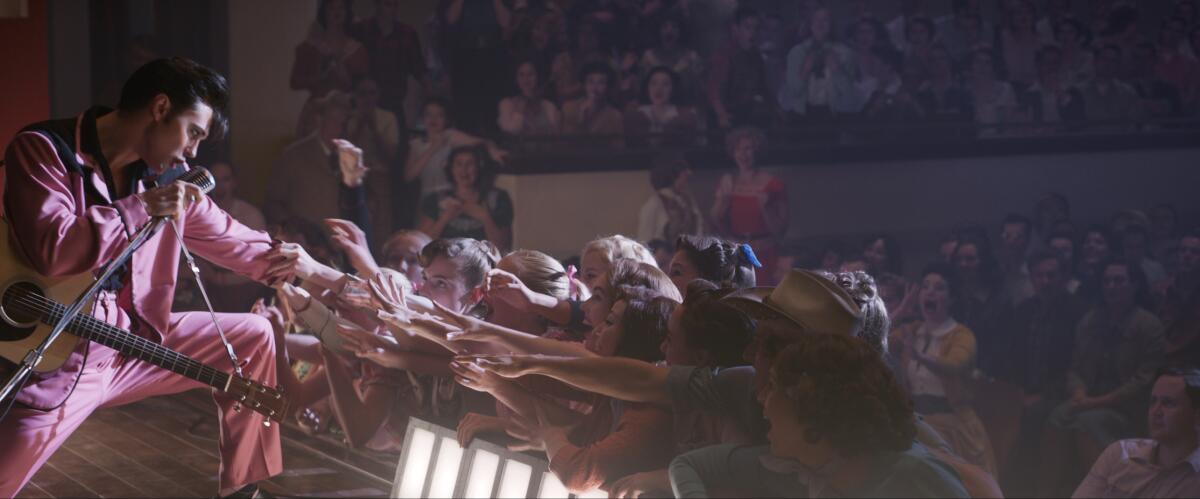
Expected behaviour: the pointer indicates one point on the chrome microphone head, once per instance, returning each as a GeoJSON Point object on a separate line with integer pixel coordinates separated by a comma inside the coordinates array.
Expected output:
{"type": "Point", "coordinates": [201, 177]}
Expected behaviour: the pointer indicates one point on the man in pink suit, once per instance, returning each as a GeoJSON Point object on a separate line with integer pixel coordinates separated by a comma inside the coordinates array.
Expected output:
{"type": "Point", "coordinates": [75, 191]}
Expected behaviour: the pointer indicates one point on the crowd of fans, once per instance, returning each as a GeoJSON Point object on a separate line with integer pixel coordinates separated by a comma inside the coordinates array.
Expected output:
{"type": "Point", "coordinates": [697, 358]}
{"type": "Point", "coordinates": [657, 368]}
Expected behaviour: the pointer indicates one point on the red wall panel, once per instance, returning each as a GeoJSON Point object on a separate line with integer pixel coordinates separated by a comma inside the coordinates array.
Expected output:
{"type": "Point", "coordinates": [24, 70]}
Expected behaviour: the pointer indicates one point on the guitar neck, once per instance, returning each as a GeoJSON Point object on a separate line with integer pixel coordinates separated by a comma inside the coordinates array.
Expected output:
{"type": "Point", "coordinates": [92, 329]}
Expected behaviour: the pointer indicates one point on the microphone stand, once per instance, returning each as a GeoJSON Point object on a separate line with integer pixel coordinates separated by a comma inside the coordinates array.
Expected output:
{"type": "Point", "coordinates": [31, 360]}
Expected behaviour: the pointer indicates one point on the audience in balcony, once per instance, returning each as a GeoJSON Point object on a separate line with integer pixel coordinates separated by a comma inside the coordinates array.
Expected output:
{"type": "Point", "coordinates": [737, 82]}
{"type": "Point", "coordinates": [330, 58]}
{"type": "Point", "coordinates": [528, 113]}
{"type": "Point", "coordinates": [471, 207]}
{"type": "Point", "coordinates": [395, 55]}
{"type": "Point", "coordinates": [818, 81]}
{"type": "Point", "coordinates": [661, 120]}
{"type": "Point", "coordinates": [593, 114]}
{"type": "Point", "coordinates": [673, 52]}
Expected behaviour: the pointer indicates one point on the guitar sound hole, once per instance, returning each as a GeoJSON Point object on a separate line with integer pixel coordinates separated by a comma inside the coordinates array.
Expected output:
{"type": "Point", "coordinates": [19, 306]}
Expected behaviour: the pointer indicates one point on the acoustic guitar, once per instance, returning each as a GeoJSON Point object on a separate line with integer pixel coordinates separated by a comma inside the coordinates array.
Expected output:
{"type": "Point", "coordinates": [30, 305]}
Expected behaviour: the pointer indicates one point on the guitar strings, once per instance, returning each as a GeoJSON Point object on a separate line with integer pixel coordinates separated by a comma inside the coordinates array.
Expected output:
{"type": "Point", "coordinates": [156, 351]}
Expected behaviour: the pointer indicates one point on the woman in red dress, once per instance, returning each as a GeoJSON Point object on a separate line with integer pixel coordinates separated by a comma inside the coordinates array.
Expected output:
{"type": "Point", "coordinates": [751, 205]}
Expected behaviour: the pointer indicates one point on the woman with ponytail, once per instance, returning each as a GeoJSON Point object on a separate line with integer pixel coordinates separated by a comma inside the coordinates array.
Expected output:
{"type": "Point", "coordinates": [722, 262]}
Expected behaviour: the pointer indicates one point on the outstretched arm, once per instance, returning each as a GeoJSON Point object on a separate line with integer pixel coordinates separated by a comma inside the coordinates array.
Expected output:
{"type": "Point", "coordinates": [616, 377]}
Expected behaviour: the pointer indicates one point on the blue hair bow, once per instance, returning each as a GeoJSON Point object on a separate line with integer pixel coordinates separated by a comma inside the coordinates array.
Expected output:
{"type": "Point", "coordinates": [748, 252]}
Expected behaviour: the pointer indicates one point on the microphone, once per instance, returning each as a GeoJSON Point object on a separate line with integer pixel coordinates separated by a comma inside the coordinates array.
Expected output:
{"type": "Point", "coordinates": [201, 177]}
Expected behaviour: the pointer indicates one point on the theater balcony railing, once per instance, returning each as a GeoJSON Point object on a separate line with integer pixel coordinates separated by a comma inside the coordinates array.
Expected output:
{"type": "Point", "coordinates": [848, 143]}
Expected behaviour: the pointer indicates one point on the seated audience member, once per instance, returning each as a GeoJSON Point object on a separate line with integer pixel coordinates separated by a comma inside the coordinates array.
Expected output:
{"type": "Point", "coordinates": [1107, 98]}
{"type": "Point", "coordinates": [427, 154]}
{"type": "Point", "coordinates": [1074, 40]}
{"type": "Point", "coordinates": [1052, 100]}
{"type": "Point", "coordinates": [716, 260]}
{"type": "Point", "coordinates": [1164, 232]}
{"type": "Point", "coordinates": [587, 48]}
{"type": "Point", "coordinates": [1063, 245]}
{"type": "Point", "coordinates": [942, 96]}
{"type": "Point", "coordinates": [672, 52]}
{"type": "Point", "coordinates": [1118, 347]}
{"type": "Point", "coordinates": [661, 116]}
{"type": "Point", "coordinates": [818, 81]}
{"type": "Point", "coordinates": [896, 99]}
{"type": "Point", "coordinates": [593, 114]}
{"type": "Point", "coordinates": [823, 443]}
{"type": "Point", "coordinates": [472, 207]}
{"type": "Point", "coordinates": [935, 358]}
{"type": "Point", "coordinates": [1096, 248]}
{"type": "Point", "coordinates": [920, 35]}
{"type": "Point", "coordinates": [395, 53]}
{"type": "Point", "coordinates": [224, 194]}
{"type": "Point", "coordinates": [882, 255]}
{"type": "Point", "coordinates": [377, 132]}
{"type": "Point", "coordinates": [1159, 98]}
{"type": "Point", "coordinates": [1050, 212]}
{"type": "Point", "coordinates": [1042, 336]}
{"type": "Point", "coordinates": [1179, 302]}
{"type": "Point", "coordinates": [527, 112]}
{"type": "Point", "coordinates": [671, 211]}
{"type": "Point", "coordinates": [1135, 248]}
{"type": "Point", "coordinates": [1019, 41]}
{"type": "Point", "coordinates": [868, 50]}
{"type": "Point", "coordinates": [1015, 234]}
{"type": "Point", "coordinates": [982, 304]}
{"type": "Point", "coordinates": [963, 30]}
{"type": "Point", "coordinates": [1168, 463]}
{"type": "Point", "coordinates": [737, 80]}
{"type": "Point", "coordinates": [993, 100]}
{"type": "Point", "coordinates": [751, 205]}
{"type": "Point", "coordinates": [320, 176]}
{"type": "Point", "coordinates": [328, 59]}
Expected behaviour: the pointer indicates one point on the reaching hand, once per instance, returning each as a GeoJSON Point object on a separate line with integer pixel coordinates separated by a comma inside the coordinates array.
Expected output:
{"type": "Point", "coordinates": [353, 242]}
{"type": "Point", "coordinates": [508, 288]}
{"type": "Point", "coordinates": [290, 260]}
{"type": "Point", "coordinates": [508, 366]}
{"type": "Point", "coordinates": [350, 162]}
{"type": "Point", "coordinates": [642, 484]}
{"type": "Point", "coordinates": [450, 207]}
{"type": "Point", "coordinates": [473, 424]}
{"type": "Point", "coordinates": [474, 377]}
{"type": "Point", "coordinates": [274, 316]}
{"type": "Point", "coordinates": [171, 200]}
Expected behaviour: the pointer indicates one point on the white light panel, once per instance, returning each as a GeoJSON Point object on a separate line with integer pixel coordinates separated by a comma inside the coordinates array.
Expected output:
{"type": "Point", "coordinates": [416, 465]}
{"type": "Point", "coordinates": [593, 494]}
{"type": "Point", "coordinates": [445, 471]}
{"type": "Point", "coordinates": [514, 483]}
{"type": "Point", "coordinates": [552, 487]}
{"type": "Point", "coordinates": [483, 474]}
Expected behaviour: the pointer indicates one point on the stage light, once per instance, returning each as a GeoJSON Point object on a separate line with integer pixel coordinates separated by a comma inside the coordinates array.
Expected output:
{"type": "Point", "coordinates": [416, 465]}
{"type": "Point", "coordinates": [514, 483]}
{"type": "Point", "coordinates": [593, 494]}
{"type": "Point", "coordinates": [445, 471]}
{"type": "Point", "coordinates": [552, 487]}
{"type": "Point", "coordinates": [482, 474]}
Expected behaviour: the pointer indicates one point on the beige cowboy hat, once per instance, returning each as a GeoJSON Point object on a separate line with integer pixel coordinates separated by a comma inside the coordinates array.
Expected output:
{"type": "Point", "coordinates": [813, 303]}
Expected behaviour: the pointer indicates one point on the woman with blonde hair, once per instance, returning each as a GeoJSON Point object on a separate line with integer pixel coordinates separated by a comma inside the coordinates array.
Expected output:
{"type": "Point", "coordinates": [599, 254]}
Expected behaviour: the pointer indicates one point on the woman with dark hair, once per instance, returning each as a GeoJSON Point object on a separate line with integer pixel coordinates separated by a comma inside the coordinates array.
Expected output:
{"type": "Point", "coordinates": [593, 114]}
{"type": "Point", "coordinates": [882, 254]}
{"type": "Point", "coordinates": [328, 59]}
{"type": "Point", "coordinates": [661, 113]}
{"type": "Point", "coordinates": [726, 263]}
{"type": "Point", "coordinates": [527, 112]}
{"type": "Point", "coordinates": [936, 356]}
{"type": "Point", "coordinates": [427, 153]}
{"type": "Point", "coordinates": [472, 207]}
{"type": "Point", "coordinates": [993, 100]}
{"type": "Point", "coordinates": [982, 305]}
{"type": "Point", "coordinates": [673, 52]}
{"type": "Point", "coordinates": [841, 426]}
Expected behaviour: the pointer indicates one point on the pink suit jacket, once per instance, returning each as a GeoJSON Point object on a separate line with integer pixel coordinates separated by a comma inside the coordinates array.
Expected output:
{"type": "Point", "coordinates": [61, 234]}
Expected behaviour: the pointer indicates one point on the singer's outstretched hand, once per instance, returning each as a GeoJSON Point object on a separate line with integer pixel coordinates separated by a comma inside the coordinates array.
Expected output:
{"type": "Point", "coordinates": [172, 199]}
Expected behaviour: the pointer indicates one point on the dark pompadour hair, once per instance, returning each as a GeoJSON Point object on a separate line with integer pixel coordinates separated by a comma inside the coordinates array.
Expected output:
{"type": "Point", "coordinates": [185, 82]}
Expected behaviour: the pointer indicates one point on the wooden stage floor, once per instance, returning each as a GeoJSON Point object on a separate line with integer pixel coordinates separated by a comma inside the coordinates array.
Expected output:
{"type": "Point", "coordinates": [167, 447]}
